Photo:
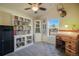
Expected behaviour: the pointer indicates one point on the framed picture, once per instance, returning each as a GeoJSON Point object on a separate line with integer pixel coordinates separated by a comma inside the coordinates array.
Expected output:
{"type": "Point", "coordinates": [20, 42]}
{"type": "Point", "coordinates": [20, 19]}
{"type": "Point", "coordinates": [15, 20]}
{"type": "Point", "coordinates": [20, 28]}
{"type": "Point", "coordinates": [16, 17]}
{"type": "Point", "coordinates": [29, 39]}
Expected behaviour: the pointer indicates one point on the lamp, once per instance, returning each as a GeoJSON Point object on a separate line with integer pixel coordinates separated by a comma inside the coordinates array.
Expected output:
{"type": "Point", "coordinates": [66, 26]}
{"type": "Point", "coordinates": [61, 10]}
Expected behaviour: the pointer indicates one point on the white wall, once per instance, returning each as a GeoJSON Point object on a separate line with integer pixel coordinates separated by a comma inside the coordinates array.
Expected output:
{"type": "Point", "coordinates": [6, 16]}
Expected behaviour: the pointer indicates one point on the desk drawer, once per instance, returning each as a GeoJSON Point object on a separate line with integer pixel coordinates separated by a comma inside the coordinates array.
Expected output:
{"type": "Point", "coordinates": [71, 45]}
{"type": "Point", "coordinates": [70, 52]}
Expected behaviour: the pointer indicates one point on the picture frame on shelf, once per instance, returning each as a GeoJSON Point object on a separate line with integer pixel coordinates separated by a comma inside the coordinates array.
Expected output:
{"type": "Point", "coordinates": [15, 17]}
{"type": "Point", "coordinates": [20, 28]}
{"type": "Point", "coordinates": [21, 19]}
{"type": "Point", "coordinates": [24, 21]}
{"type": "Point", "coordinates": [15, 20]}
{"type": "Point", "coordinates": [20, 42]}
{"type": "Point", "coordinates": [29, 39]}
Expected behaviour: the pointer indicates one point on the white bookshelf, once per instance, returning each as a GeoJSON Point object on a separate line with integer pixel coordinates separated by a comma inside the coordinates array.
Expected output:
{"type": "Point", "coordinates": [23, 32]}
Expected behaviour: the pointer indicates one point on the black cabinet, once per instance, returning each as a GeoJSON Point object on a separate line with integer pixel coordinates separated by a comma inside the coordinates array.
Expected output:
{"type": "Point", "coordinates": [6, 39]}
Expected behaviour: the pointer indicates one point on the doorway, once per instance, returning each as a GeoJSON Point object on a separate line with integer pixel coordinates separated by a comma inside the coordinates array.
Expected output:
{"type": "Point", "coordinates": [53, 26]}
{"type": "Point", "coordinates": [37, 30]}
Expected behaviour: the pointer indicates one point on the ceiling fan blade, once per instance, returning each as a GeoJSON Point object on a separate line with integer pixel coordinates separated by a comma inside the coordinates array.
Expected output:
{"type": "Point", "coordinates": [41, 8]}
{"type": "Point", "coordinates": [39, 3]}
{"type": "Point", "coordinates": [27, 8]}
{"type": "Point", "coordinates": [30, 3]}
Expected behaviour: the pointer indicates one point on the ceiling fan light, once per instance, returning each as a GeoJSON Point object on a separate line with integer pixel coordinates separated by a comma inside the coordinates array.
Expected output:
{"type": "Point", "coordinates": [35, 8]}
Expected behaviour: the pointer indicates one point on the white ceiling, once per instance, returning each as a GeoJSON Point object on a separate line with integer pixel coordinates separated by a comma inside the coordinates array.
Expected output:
{"type": "Point", "coordinates": [50, 12]}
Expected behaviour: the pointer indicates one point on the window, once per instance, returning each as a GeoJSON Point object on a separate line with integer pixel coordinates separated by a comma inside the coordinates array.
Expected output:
{"type": "Point", "coordinates": [44, 27]}
{"type": "Point", "coordinates": [37, 30]}
{"type": "Point", "coordinates": [53, 25]}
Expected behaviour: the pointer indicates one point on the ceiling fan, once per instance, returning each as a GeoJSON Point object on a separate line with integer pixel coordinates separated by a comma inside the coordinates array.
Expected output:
{"type": "Point", "coordinates": [35, 7]}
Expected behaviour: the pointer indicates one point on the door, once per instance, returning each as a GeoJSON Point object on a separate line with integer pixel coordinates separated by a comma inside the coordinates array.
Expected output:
{"type": "Point", "coordinates": [37, 30]}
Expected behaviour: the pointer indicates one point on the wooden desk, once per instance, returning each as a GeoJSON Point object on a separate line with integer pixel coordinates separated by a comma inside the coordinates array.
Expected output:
{"type": "Point", "coordinates": [71, 43]}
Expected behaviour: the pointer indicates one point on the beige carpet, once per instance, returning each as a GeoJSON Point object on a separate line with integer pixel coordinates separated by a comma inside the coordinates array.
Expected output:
{"type": "Point", "coordinates": [37, 49]}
